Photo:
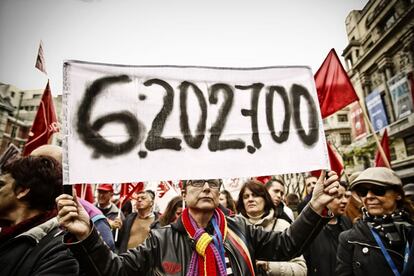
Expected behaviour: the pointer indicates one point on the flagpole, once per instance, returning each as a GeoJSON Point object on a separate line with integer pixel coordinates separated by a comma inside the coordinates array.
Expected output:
{"type": "Point", "coordinates": [380, 149]}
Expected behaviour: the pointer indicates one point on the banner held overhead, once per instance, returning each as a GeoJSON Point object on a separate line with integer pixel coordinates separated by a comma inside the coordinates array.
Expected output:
{"type": "Point", "coordinates": [143, 123]}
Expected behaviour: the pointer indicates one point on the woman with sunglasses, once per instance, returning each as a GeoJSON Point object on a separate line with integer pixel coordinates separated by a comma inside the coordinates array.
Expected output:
{"type": "Point", "coordinates": [381, 242]}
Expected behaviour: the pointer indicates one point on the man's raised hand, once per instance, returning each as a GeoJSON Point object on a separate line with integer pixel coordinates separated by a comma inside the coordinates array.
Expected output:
{"type": "Point", "coordinates": [72, 216]}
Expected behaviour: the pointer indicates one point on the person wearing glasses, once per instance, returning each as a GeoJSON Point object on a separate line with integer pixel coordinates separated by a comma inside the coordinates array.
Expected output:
{"type": "Point", "coordinates": [203, 241]}
{"type": "Point", "coordinates": [381, 243]}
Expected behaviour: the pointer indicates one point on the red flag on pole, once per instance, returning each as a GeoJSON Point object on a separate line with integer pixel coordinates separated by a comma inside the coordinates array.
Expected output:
{"type": "Point", "coordinates": [163, 188]}
{"type": "Point", "coordinates": [264, 179]}
{"type": "Point", "coordinates": [335, 90]}
{"type": "Point", "coordinates": [44, 124]}
{"type": "Point", "coordinates": [40, 60]}
{"type": "Point", "coordinates": [84, 191]}
{"type": "Point", "coordinates": [336, 163]}
{"type": "Point", "coordinates": [379, 162]}
{"type": "Point", "coordinates": [127, 191]}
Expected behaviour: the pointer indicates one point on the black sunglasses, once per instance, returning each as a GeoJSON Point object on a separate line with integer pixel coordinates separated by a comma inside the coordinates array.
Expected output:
{"type": "Point", "coordinates": [376, 190]}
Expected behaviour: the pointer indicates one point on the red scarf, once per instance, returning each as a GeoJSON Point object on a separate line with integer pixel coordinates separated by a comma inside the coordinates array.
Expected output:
{"type": "Point", "coordinates": [208, 259]}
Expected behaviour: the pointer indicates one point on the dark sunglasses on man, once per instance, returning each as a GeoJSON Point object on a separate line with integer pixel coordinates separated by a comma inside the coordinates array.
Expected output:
{"type": "Point", "coordinates": [377, 190]}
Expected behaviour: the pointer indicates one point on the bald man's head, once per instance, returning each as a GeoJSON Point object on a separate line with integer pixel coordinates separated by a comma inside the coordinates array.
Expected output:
{"type": "Point", "coordinates": [49, 150]}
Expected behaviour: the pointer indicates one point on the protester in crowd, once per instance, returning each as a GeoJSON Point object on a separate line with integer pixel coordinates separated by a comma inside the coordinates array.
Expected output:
{"type": "Point", "coordinates": [256, 206]}
{"type": "Point", "coordinates": [276, 189]}
{"type": "Point", "coordinates": [172, 212]}
{"type": "Point", "coordinates": [310, 182]}
{"type": "Point", "coordinates": [137, 225]}
{"type": "Point", "coordinates": [321, 255]}
{"type": "Point", "coordinates": [30, 238]}
{"type": "Point", "coordinates": [98, 219]}
{"type": "Point", "coordinates": [353, 209]}
{"type": "Point", "coordinates": [381, 242]}
{"type": "Point", "coordinates": [409, 191]}
{"type": "Point", "coordinates": [292, 201]}
{"type": "Point", "coordinates": [227, 201]}
{"type": "Point", "coordinates": [110, 210]}
{"type": "Point", "coordinates": [126, 208]}
{"type": "Point", "coordinates": [202, 241]}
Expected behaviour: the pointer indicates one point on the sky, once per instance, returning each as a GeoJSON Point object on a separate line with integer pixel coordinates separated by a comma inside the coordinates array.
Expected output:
{"type": "Point", "coordinates": [227, 33]}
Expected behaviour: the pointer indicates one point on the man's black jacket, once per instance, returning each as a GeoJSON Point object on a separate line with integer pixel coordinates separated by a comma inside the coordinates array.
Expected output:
{"type": "Point", "coordinates": [167, 251]}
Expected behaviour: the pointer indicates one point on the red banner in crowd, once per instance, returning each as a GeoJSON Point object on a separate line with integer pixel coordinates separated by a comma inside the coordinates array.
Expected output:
{"type": "Point", "coordinates": [357, 121]}
{"type": "Point", "coordinates": [44, 124]}
{"type": "Point", "coordinates": [128, 189]}
{"type": "Point", "coordinates": [379, 161]}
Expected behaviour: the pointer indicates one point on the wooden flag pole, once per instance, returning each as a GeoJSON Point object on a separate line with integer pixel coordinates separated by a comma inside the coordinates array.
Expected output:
{"type": "Point", "coordinates": [381, 150]}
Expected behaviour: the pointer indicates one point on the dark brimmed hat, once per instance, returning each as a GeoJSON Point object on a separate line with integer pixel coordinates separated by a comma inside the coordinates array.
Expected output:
{"type": "Point", "coordinates": [377, 176]}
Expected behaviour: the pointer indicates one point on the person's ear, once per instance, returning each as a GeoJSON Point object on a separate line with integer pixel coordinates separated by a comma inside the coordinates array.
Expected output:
{"type": "Point", "coordinates": [22, 193]}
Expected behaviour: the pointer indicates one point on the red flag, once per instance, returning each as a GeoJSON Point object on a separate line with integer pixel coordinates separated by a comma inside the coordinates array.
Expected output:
{"type": "Point", "coordinates": [44, 124]}
{"type": "Point", "coordinates": [127, 191]}
{"type": "Point", "coordinates": [379, 162]}
{"type": "Point", "coordinates": [40, 60]}
{"type": "Point", "coordinates": [84, 191]}
{"type": "Point", "coordinates": [336, 164]}
{"type": "Point", "coordinates": [264, 179]}
{"type": "Point", "coordinates": [335, 90]}
{"type": "Point", "coordinates": [163, 188]}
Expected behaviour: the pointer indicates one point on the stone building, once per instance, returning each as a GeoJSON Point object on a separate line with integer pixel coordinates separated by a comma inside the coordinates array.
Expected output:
{"type": "Point", "coordinates": [380, 61]}
{"type": "Point", "coordinates": [18, 109]}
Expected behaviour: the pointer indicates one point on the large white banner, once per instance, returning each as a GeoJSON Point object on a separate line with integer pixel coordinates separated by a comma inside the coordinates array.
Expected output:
{"type": "Point", "coordinates": [148, 123]}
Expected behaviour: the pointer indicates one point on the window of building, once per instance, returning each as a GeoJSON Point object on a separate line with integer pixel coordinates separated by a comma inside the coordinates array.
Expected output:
{"type": "Point", "coordinates": [349, 63]}
{"type": "Point", "coordinates": [390, 21]}
{"type": "Point", "coordinates": [36, 96]}
{"type": "Point", "coordinates": [342, 118]}
{"type": "Point", "coordinates": [12, 94]}
{"type": "Point", "coordinates": [345, 138]}
{"type": "Point", "coordinates": [393, 154]}
{"type": "Point", "coordinates": [13, 132]}
{"type": "Point", "coordinates": [409, 145]}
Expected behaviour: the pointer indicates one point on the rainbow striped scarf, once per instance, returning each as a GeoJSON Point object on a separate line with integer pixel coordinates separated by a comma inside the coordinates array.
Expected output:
{"type": "Point", "coordinates": [208, 259]}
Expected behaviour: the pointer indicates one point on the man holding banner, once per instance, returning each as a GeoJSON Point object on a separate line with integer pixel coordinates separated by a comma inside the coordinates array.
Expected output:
{"type": "Point", "coordinates": [202, 242]}
{"type": "Point", "coordinates": [186, 122]}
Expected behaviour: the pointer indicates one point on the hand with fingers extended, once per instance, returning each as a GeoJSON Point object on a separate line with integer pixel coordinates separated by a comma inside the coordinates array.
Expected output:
{"type": "Point", "coordinates": [73, 217]}
{"type": "Point", "coordinates": [326, 189]}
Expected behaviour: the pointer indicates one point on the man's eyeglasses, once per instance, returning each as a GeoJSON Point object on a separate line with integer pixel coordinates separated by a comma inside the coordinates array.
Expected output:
{"type": "Point", "coordinates": [212, 183]}
{"type": "Point", "coordinates": [376, 190]}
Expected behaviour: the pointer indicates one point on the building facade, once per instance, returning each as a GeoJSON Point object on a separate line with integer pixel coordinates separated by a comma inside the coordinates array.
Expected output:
{"type": "Point", "coordinates": [18, 108]}
{"type": "Point", "coordinates": [380, 61]}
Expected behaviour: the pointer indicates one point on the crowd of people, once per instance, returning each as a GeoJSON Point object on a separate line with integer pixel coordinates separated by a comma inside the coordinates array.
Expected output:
{"type": "Point", "coordinates": [363, 226]}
